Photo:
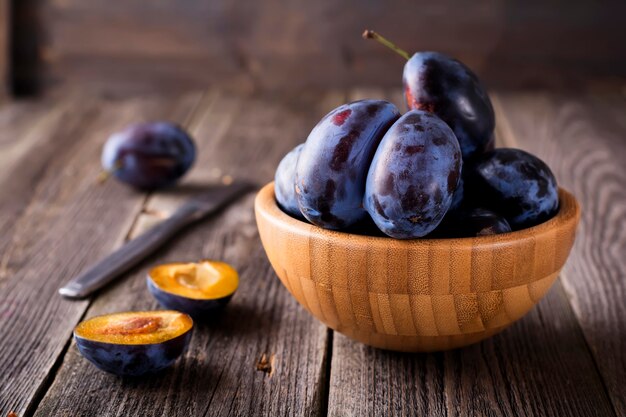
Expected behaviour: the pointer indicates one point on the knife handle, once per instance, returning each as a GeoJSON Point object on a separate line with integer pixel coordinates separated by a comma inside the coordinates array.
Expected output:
{"type": "Point", "coordinates": [129, 254]}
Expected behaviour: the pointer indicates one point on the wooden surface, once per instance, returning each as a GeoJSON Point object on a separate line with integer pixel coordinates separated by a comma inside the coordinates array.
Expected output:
{"type": "Point", "coordinates": [415, 295]}
{"type": "Point", "coordinates": [173, 45]}
{"type": "Point", "coordinates": [266, 355]}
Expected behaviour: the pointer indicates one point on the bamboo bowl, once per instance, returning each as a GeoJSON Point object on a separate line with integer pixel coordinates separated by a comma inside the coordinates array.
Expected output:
{"type": "Point", "coordinates": [415, 295]}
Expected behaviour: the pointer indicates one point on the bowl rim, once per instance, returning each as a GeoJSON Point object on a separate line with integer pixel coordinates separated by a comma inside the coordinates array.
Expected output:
{"type": "Point", "coordinates": [266, 206]}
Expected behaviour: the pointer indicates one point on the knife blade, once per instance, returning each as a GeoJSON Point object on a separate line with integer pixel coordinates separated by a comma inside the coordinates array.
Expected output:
{"type": "Point", "coordinates": [135, 250]}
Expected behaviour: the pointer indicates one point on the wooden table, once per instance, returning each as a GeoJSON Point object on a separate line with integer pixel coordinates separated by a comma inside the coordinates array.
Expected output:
{"type": "Point", "coordinates": [266, 355]}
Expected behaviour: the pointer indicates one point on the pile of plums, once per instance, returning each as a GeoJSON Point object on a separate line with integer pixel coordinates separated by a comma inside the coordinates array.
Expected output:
{"type": "Point", "coordinates": [430, 172]}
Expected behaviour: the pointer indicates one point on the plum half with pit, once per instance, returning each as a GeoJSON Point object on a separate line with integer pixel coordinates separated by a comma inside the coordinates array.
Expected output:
{"type": "Point", "coordinates": [331, 170]}
{"type": "Point", "coordinates": [516, 184]}
{"type": "Point", "coordinates": [199, 289]}
{"type": "Point", "coordinates": [134, 343]}
{"type": "Point", "coordinates": [414, 175]}
{"type": "Point", "coordinates": [149, 156]}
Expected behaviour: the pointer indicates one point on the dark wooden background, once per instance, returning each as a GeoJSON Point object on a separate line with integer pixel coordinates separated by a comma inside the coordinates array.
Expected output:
{"type": "Point", "coordinates": [173, 45]}
{"type": "Point", "coordinates": [293, 61]}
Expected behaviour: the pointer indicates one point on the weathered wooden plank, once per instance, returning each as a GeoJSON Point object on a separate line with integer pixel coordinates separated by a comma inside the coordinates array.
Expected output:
{"type": "Point", "coordinates": [29, 134]}
{"type": "Point", "coordinates": [582, 139]}
{"type": "Point", "coordinates": [70, 222]}
{"type": "Point", "coordinates": [170, 44]}
{"type": "Point", "coordinates": [225, 370]}
{"type": "Point", "coordinates": [541, 366]}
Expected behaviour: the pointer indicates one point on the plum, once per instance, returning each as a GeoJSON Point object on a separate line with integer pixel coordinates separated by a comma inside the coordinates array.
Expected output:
{"type": "Point", "coordinates": [440, 84]}
{"type": "Point", "coordinates": [285, 183]}
{"type": "Point", "coordinates": [149, 155]}
{"type": "Point", "coordinates": [471, 223]}
{"type": "Point", "coordinates": [198, 289]}
{"type": "Point", "coordinates": [483, 222]}
{"type": "Point", "coordinates": [459, 196]}
{"type": "Point", "coordinates": [413, 176]}
{"type": "Point", "coordinates": [331, 170]}
{"type": "Point", "coordinates": [516, 184]}
{"type": "Point", "coordinates": [134, 343]}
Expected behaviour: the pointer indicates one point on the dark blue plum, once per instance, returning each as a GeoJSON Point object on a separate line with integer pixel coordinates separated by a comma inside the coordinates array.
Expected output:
{"type": "Point", "coordinates": [413, 176]}
{"type": "Point", "coordinates": [471, 223]}
{"type": "Point", "coordinates": [458, 197]}
{"type": "Point", "coordinates": [285, 183]}
{"type": "Point", "coordinates": [516, 184]}
{"type": "Point", "coordinates": [149, 155]}
{"type": "Point", "coordinates": [442, 85]}
{"type": "Point", "coordinates": [331, 170]}
{"type": "Point", "coordinates": [483, 222]}
{"type": "Point", "coordinates": [134, 343]}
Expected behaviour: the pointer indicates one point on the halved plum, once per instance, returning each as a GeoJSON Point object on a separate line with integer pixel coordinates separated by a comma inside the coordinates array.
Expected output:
{"type": "Point", "coordinates": [197, 288]}
{"type": "Point", "coordinates": [134, 343]}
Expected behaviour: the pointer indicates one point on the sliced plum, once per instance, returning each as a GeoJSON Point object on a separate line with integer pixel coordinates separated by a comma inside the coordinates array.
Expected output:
{"type": "Point", "coordinates": [197, 288]}
{"type": "Point", "coordinates": [134, 343]}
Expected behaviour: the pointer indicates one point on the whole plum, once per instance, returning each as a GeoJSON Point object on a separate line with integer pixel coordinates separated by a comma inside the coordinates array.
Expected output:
{"type": "Point", "coordinates": [442, 85]}
{"type": "Point", "coordinates": [413, 176]}
{"type": "Point", "coordinates": [331, 170]}
{"type": "Point", "coordinates": [285, 183]}
{"type": "Point", "coordinates": [482, 222]}
{"type": "Point", "coordinates": [516, 184]}
{"type": "Point", "coordinates": [459, 196]}
{"type": "Point", "coordinates": [471, 223]}
{"type": "Point", "coordinates": [149, 155]}
{"type": "Point", "coordinates": [437, 83]}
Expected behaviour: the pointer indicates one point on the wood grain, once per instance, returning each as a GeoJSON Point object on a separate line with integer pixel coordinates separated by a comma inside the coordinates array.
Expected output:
{"type": "Point", "coordinates": [279, 45]}
{"type": "Point", "coordinates": [582, 140]}
{"type": "Point", "coordinates": [264, 355]}
{"type": "Point", "coordinates": [69, 222]}
{"type": "Point", "coordinates": [540, 366]}
{"type": "Point", "coordinates": [40, 127]}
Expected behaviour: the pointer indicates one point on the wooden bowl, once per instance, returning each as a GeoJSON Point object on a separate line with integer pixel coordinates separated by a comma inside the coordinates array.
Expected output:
{"type": "Point", "coordinates": [415, 295]}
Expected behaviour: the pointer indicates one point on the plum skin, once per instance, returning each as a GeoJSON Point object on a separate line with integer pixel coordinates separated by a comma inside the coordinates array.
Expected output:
{"type": "Point", "coordinates": [285, 183]}
{"type": "Point", "coordinates": [413, 176]}
{"type": "Point", "coordinates": [133, 360]}
{"type": "Point", "coordinates": [474, 222]}
{"type": "Point", "coordinates": [482, 222]}
{"type": "Point", "coordinates": [331, 170]}
{"type": "Point", "coordinates": [199, 309]}
{"type": "Point", "coordinates": [149, 155]}
{"type": "Point", "coordinates": [518, 185]}
{"type": "Point", "coordinates": [440, 84]}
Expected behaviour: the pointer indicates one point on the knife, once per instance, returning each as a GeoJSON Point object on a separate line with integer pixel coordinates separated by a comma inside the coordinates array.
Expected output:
{"type": "Point", "coordinates": [134, 251]}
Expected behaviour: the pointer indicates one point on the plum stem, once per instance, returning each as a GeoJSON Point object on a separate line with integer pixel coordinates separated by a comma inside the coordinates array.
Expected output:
{"type": "Point", "coordinates": [105, 174]}
{"type": "Point", "coordinates": [370, 34]}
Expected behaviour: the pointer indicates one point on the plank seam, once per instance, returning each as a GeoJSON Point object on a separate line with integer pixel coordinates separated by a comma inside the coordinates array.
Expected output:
{"type": "Point", "coordinates": [50, 376]}
{"type": "Point", "coordinates": [328, 356]}
{"type": "Point", "coordinates": [510, 139]}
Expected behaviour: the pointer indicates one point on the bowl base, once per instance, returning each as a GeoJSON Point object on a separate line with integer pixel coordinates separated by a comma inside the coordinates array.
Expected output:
{"type": "Point", "coordinates": [419, 343]}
